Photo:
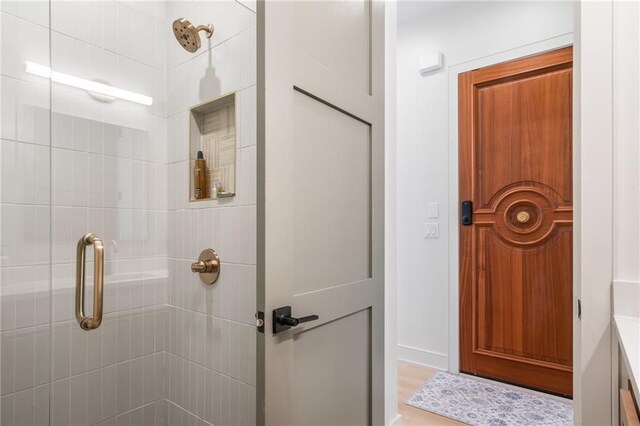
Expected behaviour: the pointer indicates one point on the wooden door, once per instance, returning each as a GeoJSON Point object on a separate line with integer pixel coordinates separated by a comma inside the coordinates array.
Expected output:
{"type": "Point", "coordinates": [321, 212]}
{"type": "Point", "coordinates": [515, 135]}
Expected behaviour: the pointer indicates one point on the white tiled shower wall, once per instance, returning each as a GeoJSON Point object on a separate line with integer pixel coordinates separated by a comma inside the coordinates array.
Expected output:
{"type": "Point", "coordinates": [171, 350]}
{"type": "Point", "coordinates": [211, 361]}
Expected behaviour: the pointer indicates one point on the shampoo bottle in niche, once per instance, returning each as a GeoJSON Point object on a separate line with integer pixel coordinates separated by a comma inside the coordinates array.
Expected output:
{"type": "Point", "coordinates": [199, 177]}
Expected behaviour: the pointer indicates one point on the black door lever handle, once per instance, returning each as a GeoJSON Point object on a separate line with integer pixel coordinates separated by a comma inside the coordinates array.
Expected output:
{"type": "Point", "coordinates": [292, 322]}
{"type": "Point", "coordinates": [282, 319]}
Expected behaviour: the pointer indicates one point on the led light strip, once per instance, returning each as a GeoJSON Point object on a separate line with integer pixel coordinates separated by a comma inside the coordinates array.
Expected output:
{"type": "Point", "coordinates": [88, 85]}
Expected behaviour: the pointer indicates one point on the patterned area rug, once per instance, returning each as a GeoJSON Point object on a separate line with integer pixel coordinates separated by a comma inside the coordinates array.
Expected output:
{"type": "Point", "coordinates": [480, 403]}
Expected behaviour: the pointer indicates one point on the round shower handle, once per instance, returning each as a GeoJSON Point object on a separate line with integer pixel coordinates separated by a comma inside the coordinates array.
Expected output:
{"type": "Point", "coordinates": [208, 266]}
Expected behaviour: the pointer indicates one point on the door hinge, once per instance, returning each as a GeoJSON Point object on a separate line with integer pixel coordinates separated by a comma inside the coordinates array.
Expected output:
{"type": "Point", "coordinates": [579, 309]}
{"type": "Point", "coordinates": [260, 321]}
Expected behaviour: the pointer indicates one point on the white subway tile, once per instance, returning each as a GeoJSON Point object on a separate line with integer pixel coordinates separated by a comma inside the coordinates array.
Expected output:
{"type": "Point", "coordinates": [94, 402]}
{"type": "Point", "coordinates": [110, 182]}
{"type": "Point", "coordinates": [24, 358]}
{"type": "Point", "coordinates": [136, 333]}
{"type": "Point", "coordinates": [62, 134]}
{"type": "Point", "coordinates": [9, 236]}
{"type": "Point", "coordinates": [7, 362]}
{"type": "Point", "coordinates": [95, 137]}
{"type": "Point", "coordinates": [78, 400]}
{"type": "Point", "coordinates": [148, 415]}
{"type": "Point", "coordinates": [135, 417]}
{"type": "Point", "coordinates": [7, 299]}
{"type": "Point", "coordinates": [192, 401]}
{"type": "Point", "coordinates": [123, 387]}
{"type": "Point", "coordinates": [234, 349]}
{"type": "Point", "coordinates": [24, 407]}
{"type": "Point", "coordinates": [24, 280]}
{"type": "Point", "coordinates": [123, 339]}
{"type": "Point", "coordinates": [225, 400]}
{"type": "Point", "coordinates": [78, 355]}
{"type": "Point", "coordinates": [136, 376]}
{"type": "Point", "coordinates": [63, 286]}
{"type": "Point", "coordinates": [124, 32]}
{"type": "Point", "coordinates": [42, 169]}
{"type": "Point", "coordinates": [33, 11]}
{"type": "Point", "coordinates": [147, 325]}
{"type": "Point", "coordinates": [80, 133]}
{"type": "Point", "coordinates": [161, 328]}
{"type": "Point", "coordinates": [60, 392]}
{"type": "Point", "coordinates": [33, 231]}
{"type": "Point", "coordinates": [8, 171]}
{"type": "Point", "coordinates": [41, 405]}
{"type": "Point", "coordinates": [41, 362]}
{"type": "Point", "coordinates": [109, 340]}
{"type": "Point", "coordinates": [8, 111]}
{"type": "Point", "coordinates": [247, 116]}
{"type": "Point", "coordinates": [109, 391]}
{"type": "Point", "coordinates": [61, 341]}
{"type": "Point", "coordinates": [33, 46]}
{"type": "Point", "coordinates": [94, 348]}
{"type": "Point", "coordinates": [234, 397]}
{"type": "Point", "coordinates": [110, 25]}
{"type": "Point", "coordinates": [6, 409]}
{"type": "Point", "coordinates": [148, 381]}
{"type": "Point", "coordinates": [200, 391]}
{"type": "Point", "coordinates": [96, 183]}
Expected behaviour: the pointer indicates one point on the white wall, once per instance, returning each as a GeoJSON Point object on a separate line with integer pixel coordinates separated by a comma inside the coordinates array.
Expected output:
{"type": "Point", "coordinates": [626, 133]}
{"type": "Point", "coordinates": [465, 32]}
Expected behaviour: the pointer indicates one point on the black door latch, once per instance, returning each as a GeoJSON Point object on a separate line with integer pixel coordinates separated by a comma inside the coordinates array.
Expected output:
{"type": "Point", "coordinates": [466, 213]}
{"type": "Point", "coordinates": [282, 319]}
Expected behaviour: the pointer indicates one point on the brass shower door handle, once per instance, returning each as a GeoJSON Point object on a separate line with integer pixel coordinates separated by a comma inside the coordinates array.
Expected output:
{"type": "Point", "coordinates": [90, 323]}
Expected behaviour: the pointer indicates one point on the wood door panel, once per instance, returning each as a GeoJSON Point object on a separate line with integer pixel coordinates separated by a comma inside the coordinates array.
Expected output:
{"type": "Point", "coordinates": [518, 296]}
{"type": "Point", "coordinates": [522, 127]}
{"type": "Point", "coordinates": [515, 161]}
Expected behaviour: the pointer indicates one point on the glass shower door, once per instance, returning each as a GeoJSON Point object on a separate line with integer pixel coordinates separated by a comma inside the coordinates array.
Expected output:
{"type": "Point", "coordinates": [82, 151]}
{"type": "Point", "coordinates": [25, 224]}
{"type": "Point", "coordinates": [107, 179]}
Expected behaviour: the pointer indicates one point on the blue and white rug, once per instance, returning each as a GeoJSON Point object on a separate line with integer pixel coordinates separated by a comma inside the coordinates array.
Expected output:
{"type": "Point", "coordinates": [480, 403]}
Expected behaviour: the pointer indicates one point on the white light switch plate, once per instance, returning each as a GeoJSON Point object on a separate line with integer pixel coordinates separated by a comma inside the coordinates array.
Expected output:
{"type": "Point", "coordinates": [432, 210]}
{"type": "Point", "coordinates": [431, 230]}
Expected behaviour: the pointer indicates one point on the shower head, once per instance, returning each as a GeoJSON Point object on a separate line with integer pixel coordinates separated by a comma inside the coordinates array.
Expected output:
{"type": "Point", "coordinates": [187, 34]}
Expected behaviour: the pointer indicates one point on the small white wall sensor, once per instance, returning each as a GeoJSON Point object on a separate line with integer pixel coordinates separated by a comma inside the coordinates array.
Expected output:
{"type": "Point", "coordinates": [429, 62]}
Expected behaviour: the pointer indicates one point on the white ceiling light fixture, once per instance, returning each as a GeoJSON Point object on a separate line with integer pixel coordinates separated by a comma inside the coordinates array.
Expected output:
{"type": "Point", "coordinates": [93, 87]}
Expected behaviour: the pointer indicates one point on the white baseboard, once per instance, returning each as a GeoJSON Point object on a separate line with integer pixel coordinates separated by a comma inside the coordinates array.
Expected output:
{"type": "Point", "coordinates": [424, 357]}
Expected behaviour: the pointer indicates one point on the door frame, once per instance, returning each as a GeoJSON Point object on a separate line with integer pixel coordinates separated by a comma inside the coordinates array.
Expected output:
{"type": "Point", "coordinates": [594, 345]}
{"type": "Point", "coordinates": [557, 376]}
{"type": "Point", "coordinates": [454, 231]}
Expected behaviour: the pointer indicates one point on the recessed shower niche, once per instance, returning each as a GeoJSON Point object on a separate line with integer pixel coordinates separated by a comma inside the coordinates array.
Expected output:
{"type": "Point", "coordinates": [212, 149]}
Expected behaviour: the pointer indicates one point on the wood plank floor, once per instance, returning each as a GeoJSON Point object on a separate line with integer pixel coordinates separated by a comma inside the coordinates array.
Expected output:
{"type": "Point", "coordinates": [410, 378]}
